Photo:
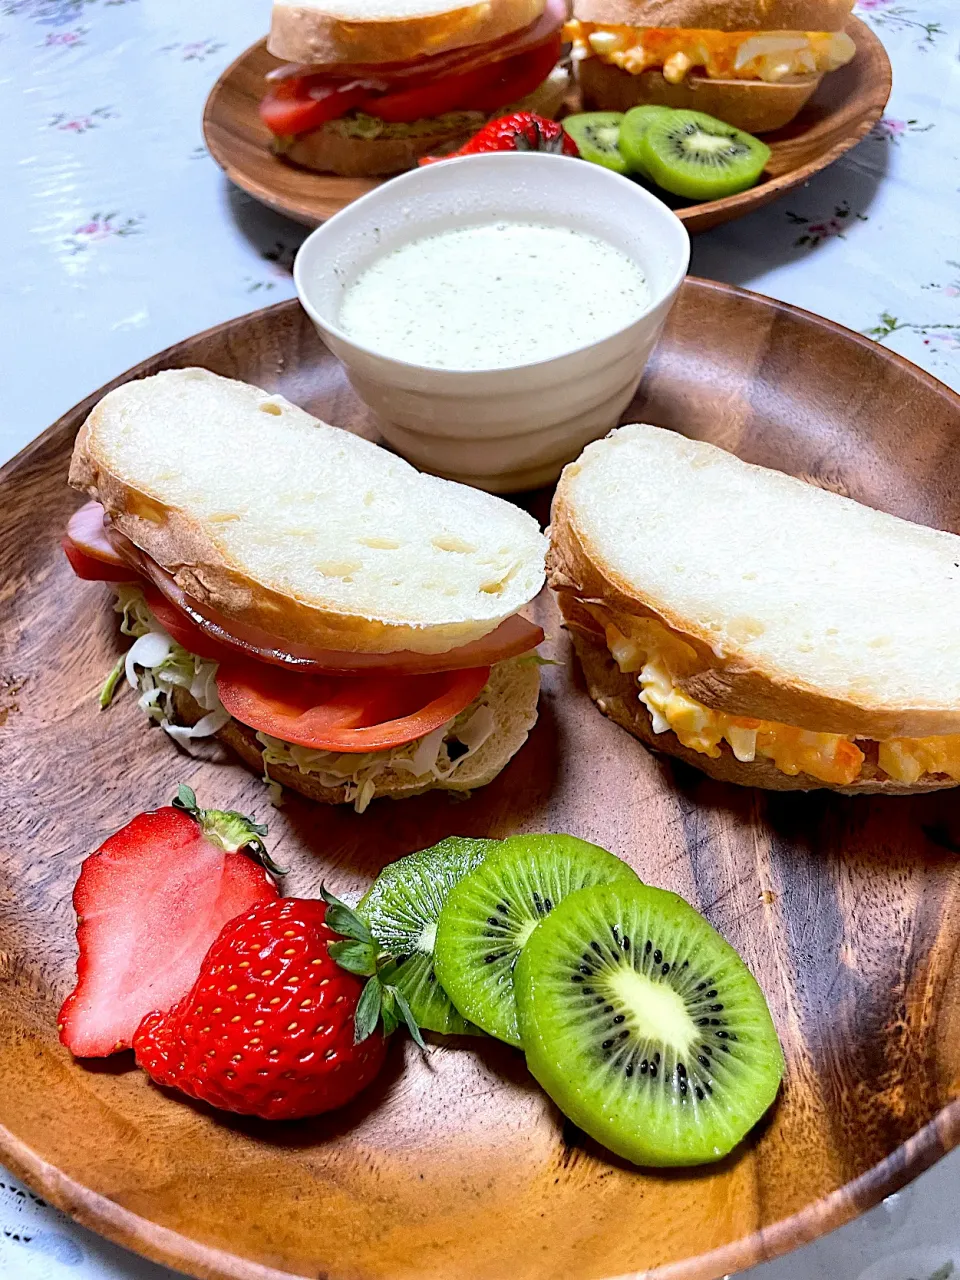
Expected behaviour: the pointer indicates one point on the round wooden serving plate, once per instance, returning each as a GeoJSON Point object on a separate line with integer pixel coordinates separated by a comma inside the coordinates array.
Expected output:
{"type": "Point", "coordinates": [455, 1166]}
{"type": "Point", "coordinates": [845, 107]}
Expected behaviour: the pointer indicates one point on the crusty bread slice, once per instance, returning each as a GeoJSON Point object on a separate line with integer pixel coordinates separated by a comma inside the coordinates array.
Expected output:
{"type": "Point", "coordinates": [321, 32]}
{"type": "Point", "coordinates": [308, 532]}
{"type": "Point", "coordinates": [709, 15]}
{"type": "Point", "coordinates": [512, 695]}
{"type": "Point", "coordinates": [802, 607]}
{"type": "Point", "coordinates": [753, 105]}
{"type": "Point", "coordinates": [616, 696]}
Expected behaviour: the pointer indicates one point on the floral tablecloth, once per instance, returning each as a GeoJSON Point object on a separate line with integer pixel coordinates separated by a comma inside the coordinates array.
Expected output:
{"type": "Point", "coordinates": [121, 236]}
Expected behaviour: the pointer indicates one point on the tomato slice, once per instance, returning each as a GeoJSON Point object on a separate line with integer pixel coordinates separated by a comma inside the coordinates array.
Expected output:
{"type": "Point", "coordinates": [450, 93]}
{"type": "Point", "coordinates": [93, 570]}
{"type": "Point", "coordinates": [348, 714]}
{"type": "Point", "coordinates": [299, 105]}
{"type": "Point", "coordinates": [516, 77]}
{"type": "Point", "coordinates": [181, 628]}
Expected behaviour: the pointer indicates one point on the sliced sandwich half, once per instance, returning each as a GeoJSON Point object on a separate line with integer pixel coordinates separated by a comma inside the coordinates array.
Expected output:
{"type": "Point", "coordinates": [368, 87]}
{"type": "Point", "coordinates": [348, 626]}
{"type": "Point", "coordinates": [768, 632]}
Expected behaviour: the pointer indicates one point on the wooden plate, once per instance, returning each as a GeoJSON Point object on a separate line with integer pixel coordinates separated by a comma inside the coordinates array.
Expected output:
{"type": "Point", "coordinates": [457, 1167]}
{"type": "Point", "coordinates": [843, 110]}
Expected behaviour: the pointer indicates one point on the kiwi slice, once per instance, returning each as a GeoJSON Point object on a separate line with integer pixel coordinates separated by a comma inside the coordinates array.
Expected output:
{"type": "Point", "coordinates": [597, 134]}
{"type": "Point", "coordinates": [491, 913]}
{"type": "Point", "coordinates": [402, 908]}
{"type": "Point", "coordinates": [645, 1027]}
{"type": "Point", "coordinates": [694, 155]}
{"type": "Point", "coordinates": [634, 126]}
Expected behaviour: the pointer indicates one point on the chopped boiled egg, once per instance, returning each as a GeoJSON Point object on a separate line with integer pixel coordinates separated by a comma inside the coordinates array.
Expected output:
{"type": "Point", "coordinates": [723, 55]}
{"type": "Point", "coordinates": [655, 656]}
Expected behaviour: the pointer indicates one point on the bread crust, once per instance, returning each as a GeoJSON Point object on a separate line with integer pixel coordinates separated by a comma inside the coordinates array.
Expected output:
{"type": "Point", "coordinates": [616, 696]}
{"type": "Point", "coordinates": [304, 34]}
{"type": "Point", "coordinates": [328, 152]}
{"type": "Point", "coordinates": [736, 684]}
{"type": "Point", "coordinates": [516, 690]}
{"type": "Point", "coordinates": [708, 15]}
{"type": "Point", "coordinates": [755, 106]}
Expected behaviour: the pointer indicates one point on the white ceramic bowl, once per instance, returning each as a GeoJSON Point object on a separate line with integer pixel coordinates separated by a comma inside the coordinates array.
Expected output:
{"type": "Point", "coordinates": [512, 428]}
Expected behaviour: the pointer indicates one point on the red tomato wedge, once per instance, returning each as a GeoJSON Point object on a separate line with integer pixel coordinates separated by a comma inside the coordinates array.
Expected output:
{"type": "Point", "coordinates": [354, 714]}
{"type": "Point", "coordinates": [90, 553]}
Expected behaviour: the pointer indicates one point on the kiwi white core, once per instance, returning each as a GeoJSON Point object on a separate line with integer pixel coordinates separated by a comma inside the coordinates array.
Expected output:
{"type": "Point", "coordinates": [657, 1012]}
{"type": "Point", "coordinates": [428, 938]}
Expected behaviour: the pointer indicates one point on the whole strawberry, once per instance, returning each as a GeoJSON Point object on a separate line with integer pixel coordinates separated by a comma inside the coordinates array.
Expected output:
{"type": "Point", "coordinates": [275, 1026]}
{"type": "Point", "coordinates": [521, 131]}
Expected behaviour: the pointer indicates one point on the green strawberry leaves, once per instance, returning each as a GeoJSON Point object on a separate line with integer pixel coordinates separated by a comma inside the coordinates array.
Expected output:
{"type": "Point", "coordinates": [359, 954]}
{"type": "Point", "coordinates": [229, 830]}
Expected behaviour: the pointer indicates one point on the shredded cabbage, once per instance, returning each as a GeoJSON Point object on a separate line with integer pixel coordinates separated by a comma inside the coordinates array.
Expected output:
{"type": "Point", "coordinates": [155, 665]}
{"type": "Point", "coordinates": [433, 758]}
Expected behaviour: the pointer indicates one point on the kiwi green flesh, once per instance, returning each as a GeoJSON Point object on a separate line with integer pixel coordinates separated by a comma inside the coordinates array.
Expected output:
{"type": "Point", "coordinates": [402, 908]}
{"type": "Point", "coordinates": [645, 1027]}
{"type": "Point", "coordinates": [489, 916]}
{"type": "Point", "coordinates": [634, 126]}
{"type": "Point", "coordinates": [597, 135]}
{"type": "Point", "coordinates": [694, 155]}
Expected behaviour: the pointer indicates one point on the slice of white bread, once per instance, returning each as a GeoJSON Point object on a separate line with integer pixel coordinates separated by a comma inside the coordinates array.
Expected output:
{"type": "Point", "coordinates": [511, 695]}
{"type": "Point", "coordinates": [709, 15]}
{"type": "Point", "coordinates": [310, 533]}
{"type": "Point", "coordinates": [802, 607]}
{"type": "Point", "coordinates": [322, 32]}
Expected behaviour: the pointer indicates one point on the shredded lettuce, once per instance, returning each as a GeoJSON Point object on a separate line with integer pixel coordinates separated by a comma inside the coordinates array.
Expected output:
{"type": "Point", "coordinates": [155, 665]}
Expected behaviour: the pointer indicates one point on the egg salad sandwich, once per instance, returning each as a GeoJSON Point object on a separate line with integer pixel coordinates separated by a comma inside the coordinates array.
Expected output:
{"type": "Point", "coordinates": [347, 625]}
{"type": "Point", "coordinates": [767, 631]}
{"type": "Point", "coordinates": [368, 88]}
{"type": "Point", "coordinates": [751, 63]}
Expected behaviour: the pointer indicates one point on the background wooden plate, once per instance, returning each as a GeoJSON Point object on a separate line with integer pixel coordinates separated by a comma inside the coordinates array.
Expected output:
{"type": "Point", "coordinates": [842, 111]}
{"type": "Point", "coordinates": [456, 1167]}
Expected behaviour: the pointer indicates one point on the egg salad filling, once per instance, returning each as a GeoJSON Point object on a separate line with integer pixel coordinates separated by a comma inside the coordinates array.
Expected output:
{"type": "Point", "coordinates": [722, 55]}
{"type": "Point", "coordinates": [654, 656]}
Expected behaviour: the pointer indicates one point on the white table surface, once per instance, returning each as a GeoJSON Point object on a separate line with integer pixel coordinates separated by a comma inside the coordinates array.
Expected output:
{"type": "Point", "coordinates": [121, 236]}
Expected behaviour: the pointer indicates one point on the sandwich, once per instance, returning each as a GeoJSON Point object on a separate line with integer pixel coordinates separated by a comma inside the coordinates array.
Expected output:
{"type": "Point", "coordinates": [767, 631]}
{"type": "Point", "coordinates": [751, 63]}
{"type": "Point", "coordinates": [347, 625]}
{"type": "Point", "coordinates": [369, 89]}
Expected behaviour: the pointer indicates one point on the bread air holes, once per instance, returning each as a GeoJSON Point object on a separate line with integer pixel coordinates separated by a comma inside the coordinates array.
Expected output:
{"type": "Point", "coordinates": [380, 544]}
{"type": "Point", "coordinates": [448, 542]}
{"type": "Point", "coordinates": [342, 569]}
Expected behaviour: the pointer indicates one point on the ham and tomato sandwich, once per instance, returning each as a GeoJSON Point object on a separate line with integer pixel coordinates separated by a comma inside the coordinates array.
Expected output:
{"type": "Point", "coordinates": [751, 63]}
{"type": "Point", "coordinates": [368, 87]}
{"type": "Point", "coordinates": [347, 625]}
{"type": "Point", "coordinates": [765, 630]}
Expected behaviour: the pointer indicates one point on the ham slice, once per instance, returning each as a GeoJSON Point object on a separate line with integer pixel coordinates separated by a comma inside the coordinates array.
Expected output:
{"type": "Point", "coordinates": [555, 14]}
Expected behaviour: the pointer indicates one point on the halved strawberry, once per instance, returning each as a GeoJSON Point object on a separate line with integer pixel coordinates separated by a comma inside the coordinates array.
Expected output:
{"type": "Point", "coordinates": [149, 903]}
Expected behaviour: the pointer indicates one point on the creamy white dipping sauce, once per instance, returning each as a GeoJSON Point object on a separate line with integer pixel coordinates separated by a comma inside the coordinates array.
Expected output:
{"type": "Point", "coordinates": [493, 296]}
